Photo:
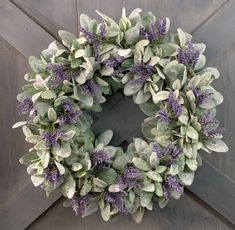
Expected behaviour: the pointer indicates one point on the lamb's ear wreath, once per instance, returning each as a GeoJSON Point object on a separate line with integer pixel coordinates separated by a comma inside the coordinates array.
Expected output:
{"type": "Point", "coordinates": [165, 75]}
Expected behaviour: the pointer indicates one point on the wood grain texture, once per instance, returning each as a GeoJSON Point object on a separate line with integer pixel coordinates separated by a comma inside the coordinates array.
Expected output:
{"type": "Point", "coordinates": [226, 111]}
{"type": "Point", "coordinates": [51, 15]}
{"type": "Point", "coordinates": [21, 31]}
{"type": "Point", "coordinates": [183, 214]}
{"type": "Point", "coordinates": [17, 193]}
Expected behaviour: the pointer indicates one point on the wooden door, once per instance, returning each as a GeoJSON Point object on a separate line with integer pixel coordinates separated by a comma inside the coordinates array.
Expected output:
{"type": "Point", "coordinates": [27, 27]}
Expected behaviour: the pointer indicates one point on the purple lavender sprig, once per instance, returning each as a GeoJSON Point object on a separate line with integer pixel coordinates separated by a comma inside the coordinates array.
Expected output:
{"type": "Point", "coordinates": [60, 73]}
{"type": "Point", "coordinates": [25, 106]}
{"type": "Point", "coordinates": [92, 40]}
{"type": "Point", "coordinates": [174, 105]}
{"type": "Point", "coordinates": [149, 33]}
{"type": "Point", "coordinates": [161, 27]}
{"type": "Point", "coordinates": [172, 183]}
{"type": "Point", "coordinates": [200, 96]}
{"type": "Point", "coordinates": [52, 175]}
{"type": "Point", "coordinates": [79, 204]}
{"type": "Point", "coordinates": [129, 179]}
{"type": "Point", "coordinates": [116, 200]}
{"type": "Point", "coordinates": [144, 71]}
{"type": "Point", "coordinates": [69, 115]}
{"type": "Point", "coordinates": [210, 127]}
{"type": "Point", "coordinates": [51, 138]}
{"type": "Point", "coordinates": [100, 159]}
{"type": "Point", "coordinates": [90, 88]}
{"type": "Point", "coordinates": [188, 55]}
{"type": "Point", "coordinates": [163, 115]}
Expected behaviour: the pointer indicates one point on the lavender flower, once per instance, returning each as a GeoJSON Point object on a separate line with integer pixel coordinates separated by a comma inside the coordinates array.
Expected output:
{"type": "Point", "coordinates": [163, 115]}
{"type": "Point", "coordinates": [116, 200]}
{"type": "Point", "coordinates": [52, 175]}
{"type": "Point", "coordinates": [172, 183]}
{"type": "Point", "coordinates": [144, 72]}
{"type": "Point", "coordinates": [92, 40]}
{"type": "Point", "coordinates": [210, 127]}
{"type": "Point", "coordinates": [156, 148]}
{"type": "Point", "coordinates": [149, 33]}
{"type": "Point", "coordinates": [206, 119]}
{"type": "Point", "coordinates": [90, 88]}
{"type": "Point", "coordinates": [100, 159]}
{"type": "Point", "coordinates": [161, 27]}
{"type": "Point", "coordinates": [25, 106]}
{"type": "Point", "coordinates": [51, 138]}
{"type": "Point", "coordinates": [79, 204]}
{"type": "Point", "coordinates": [114, 61]}
{"type": "Point", "coordinates": [60, 74]}
{"type": "Point", "coordinates": [199, 95]}
{"type": "Point", "coordinates": [102, 30]}
{"type": "Point", "coordinates": [187, 55]}
{"type": "Point", "coordinates": [170, 150]}
{"type": "Point", "coordinates": [174, 104]}
{"type": "Point", "coordinates": [129, 178]}
{"type": "Point", "coordinates": [70, 115]}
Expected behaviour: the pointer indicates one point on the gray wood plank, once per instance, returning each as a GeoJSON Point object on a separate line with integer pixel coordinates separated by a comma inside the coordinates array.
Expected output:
{"type": "Point", "coordinates": [21, 31]}
{"type": "Point", "coordinates": [20, 202]}
{"type": "Point", "coordinates": [51, 15]}
{"type": "Point", "coordinates": [218, 32]}
{"type": "Point", "coordinates": [183, 214]}
{"type": "Point", "coordinates": [123, 118]}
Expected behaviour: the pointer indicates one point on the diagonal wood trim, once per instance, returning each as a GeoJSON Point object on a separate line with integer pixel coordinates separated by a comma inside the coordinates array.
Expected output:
{"type": "Point", "coordinates": [218, 31]}
{"type": "Point", "coordinates": [217, 190]}
{"type": "Point", "coordinates": [21, 31]}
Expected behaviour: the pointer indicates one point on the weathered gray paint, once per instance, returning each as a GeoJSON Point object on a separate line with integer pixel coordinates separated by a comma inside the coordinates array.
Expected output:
{"type": "Point", "coordinates": [27, 26]}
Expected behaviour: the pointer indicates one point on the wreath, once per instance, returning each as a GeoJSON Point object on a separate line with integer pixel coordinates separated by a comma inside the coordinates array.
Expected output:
{"type": "Point", "coordinates": [165, 75]}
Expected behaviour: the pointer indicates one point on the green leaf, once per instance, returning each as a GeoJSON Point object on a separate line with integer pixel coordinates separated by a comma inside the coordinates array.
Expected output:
{"type": "Point", "coordinates": [148, 188]}
{"type": "Point", "coordinates": [60, 167]}
{"type": "Point", "coordinates": [182, 37]}
{"type": "Point", "coordinates": [108, 175]}
{"type": "Point", "coordinates": [69, 187]}
{"type": "Point", "coordinates": [131, 89]}
{"type": "Point", "coordinates": [216, 145]}
{"type": "Point", "coordinates": [141, 164]}
{"type": "Point", "coordinates": [76, 166]}
{"type": "Point", "coordinates": [18, 124]}
{"type": "Point", "coordinates": [186, 178]}
{"type": "Point", "coordinates": [158, 189]}
{"type": "Point", "coordinates": [132, 35]}
{"type": "Point", "coordinates": [154, 176]}
{"type": "Point", "coordinates": [120, 162]}
{"type": "Point", "coordinates": [114, 188]}
{"type": "Point", "coordinates": [52, 116]}
{"type": "Point", "coordinates": [138, 215]}
{"type": "Point", "coordinates": [45, 158]}
{"type": "Point", "coordinates": [37, 180]}
{"type": "Point", "coordinates": [124, 52]}
{"type": "Point", "coordinates": [28, 158]}
{"type": "Point", "coordinates": [35, 64]}
{"type": "Point", "coordinates": [63, 150]}
{"type": "Point", "coordinates": [85, 188]}
{"type": "Point", "coordinates": [68, 135]}
{"type": "Point", "coordinates": [79, 53]}
{"type": "Point", "coordinates": [191, 133]}
{"type": "Point", "coordinates": [160, 96]}
{"type": "Point", "coordinates": [67, 38]}
{"type": "Point", "coordinates": [42, 108]}
{"type": "Point", "coordinates": [105, 137]}
{"type": "Point", "coordinates": [49, 94]}
{"type": "Point", "coordinates": [192, 164]}
{"type": "Point", "coordinates": [160, 169]}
